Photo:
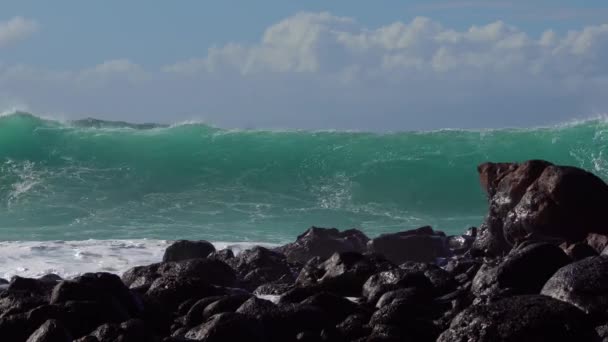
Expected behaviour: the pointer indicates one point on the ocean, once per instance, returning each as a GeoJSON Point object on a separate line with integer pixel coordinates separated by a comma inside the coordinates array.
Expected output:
{"type": "Point", "coordinates": [95, 195]}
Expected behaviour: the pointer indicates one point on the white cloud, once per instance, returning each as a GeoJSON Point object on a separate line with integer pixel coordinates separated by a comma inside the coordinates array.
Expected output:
{"type": "Point", "coordinates": [16, 29]}
{"type": "Point", "coordinates": [316, 70]}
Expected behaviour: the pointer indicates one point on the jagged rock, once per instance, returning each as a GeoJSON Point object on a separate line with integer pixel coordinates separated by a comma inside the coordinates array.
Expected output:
{"type": "Point", "coordinates": [185, 249]}
{"type": "Point", "coordinates": [324, 242]}
{"type": "Point", "coordinates": [537, 199]}
{"type": "Point", "coordinates": [343, 273]}
{"type": "Point", "coordinates": [520, 318]}
{"type": "Point", "coordinates": [583, 284]}
{"type": "Point", "coordinates": [524, 271]}
{"type": "Point", "coordinates": [422, 245]}
{"type": "Point", "coordinates": [505, 184]}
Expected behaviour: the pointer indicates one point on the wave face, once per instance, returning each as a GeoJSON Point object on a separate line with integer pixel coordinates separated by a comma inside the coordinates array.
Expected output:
{"type": "Point", "coordinates": [92, 179]}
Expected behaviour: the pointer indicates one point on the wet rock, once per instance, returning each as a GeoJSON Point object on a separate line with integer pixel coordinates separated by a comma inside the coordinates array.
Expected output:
{"type": "Point", "coordinates": [185, 249]}
{"type": "Point", "coordinates": [422, 245]}
{"type": "Point", "coordinates": [520, 318]}
{"type": "Point", "coordinates": [50, 331]}
{"type": "Point", "coordinates": [524, 271]}
{"type": "Point", "coordinates": [583, 284]}
{"type": "Point", "coordinates": [324, 242]}
{"type": "Point", "coordinates": [343, 273]}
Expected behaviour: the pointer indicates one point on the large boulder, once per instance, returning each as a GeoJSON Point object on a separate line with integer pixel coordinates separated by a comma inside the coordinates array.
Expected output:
{"type": "Point", "coordinates": [323, 242]}
{"type": "Point", "coordinates": [260, 265]}
{"type": "Point", "coordinates": [537, 199]}
{"type": "Point", "coordinates": [185, 249]}
{"type": "Point", "coordinates": [214, 271]}
{"type": "Point", "coordinates": [524, 271]}
{"type": "Point", "coordinates": [527, 318]}
{"type": "Point", "coordinates": [583, 284]}
{"type": "Point", "coordinates": [422, 245]}
{"type": "Point", "coordinates": [343, 273]}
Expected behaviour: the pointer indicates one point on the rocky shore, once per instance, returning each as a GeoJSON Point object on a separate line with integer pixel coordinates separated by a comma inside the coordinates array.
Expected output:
{"type": "Point", "coordinates": [535, 270]}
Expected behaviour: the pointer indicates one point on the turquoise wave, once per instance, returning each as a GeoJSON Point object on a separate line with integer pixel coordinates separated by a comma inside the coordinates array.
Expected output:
{"type": "Point", "coordinates": [93, 179]}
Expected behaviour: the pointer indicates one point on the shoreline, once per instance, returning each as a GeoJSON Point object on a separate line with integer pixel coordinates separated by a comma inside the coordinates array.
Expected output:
{"type": "Point", "coordinates": [543, 246]}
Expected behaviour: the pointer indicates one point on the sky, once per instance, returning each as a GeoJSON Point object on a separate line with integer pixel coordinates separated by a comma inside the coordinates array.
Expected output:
{"type": "Point", "coordinates": [357, 65]}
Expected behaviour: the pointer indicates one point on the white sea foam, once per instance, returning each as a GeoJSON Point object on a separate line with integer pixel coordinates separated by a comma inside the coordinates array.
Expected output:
{"type": "Point", "coordinates": [71, 258]}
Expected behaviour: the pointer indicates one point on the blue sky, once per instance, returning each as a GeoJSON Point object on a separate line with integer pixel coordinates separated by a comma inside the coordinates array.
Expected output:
{"type": "Point", "coordinates": [317, 64]}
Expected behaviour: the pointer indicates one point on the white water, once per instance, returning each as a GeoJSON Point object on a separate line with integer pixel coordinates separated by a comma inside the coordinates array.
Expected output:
{"type": "Point", "coordinates": [71, 258]}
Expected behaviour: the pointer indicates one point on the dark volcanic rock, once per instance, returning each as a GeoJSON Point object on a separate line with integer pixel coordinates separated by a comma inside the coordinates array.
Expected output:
{"type": "Point", "coordinates": [228, 327]}
{"type": "Point", "coordinates": [185, 249]}
{"type": "Point", "coordinates": [260, 265]}
{"type": "Point", "coordinates": [336, 307]}
{"type": "Point", "coordinates": [538, 199]}
{"type": "Point", "coordinates": [520, 319]}
{"type": "Point", "coordinates": [50, 331]}
{"type": "Point", "coordinates": [580, 250]}
{"type": "Point", "coordinates": [524, 271]}
{"type": "Point", "coordinates": [272, 289]}
{"type": "Point", "coordinates": [97, 287]}
{"type": "Point", "coordinates": [323, 242]}
{"type": "Point", "coordinates": [343, 273]}
{"type": "Point", "coordinates": [505, 184]}
{"type": "Point", "coordinates": [422, 244]}
{"type": "Point", "coordinates": [583, 284]}
{"type": "Point", "coordinates": [386, 281]}
{"type": "Point", "coordinates": [214, 271]}
{"type": "Point", "coordinates": [169, 292]}
{"type": "Point", "coordinates": [225, 304]}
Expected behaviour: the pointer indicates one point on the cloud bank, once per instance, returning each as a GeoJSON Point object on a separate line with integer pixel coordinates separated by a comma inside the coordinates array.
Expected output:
{"type": "Point", "coordinates": [318, 70]}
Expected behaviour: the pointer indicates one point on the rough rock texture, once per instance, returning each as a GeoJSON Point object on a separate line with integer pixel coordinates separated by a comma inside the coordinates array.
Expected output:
{"type": "Point", "coordinates": [212, 270]}
{"type": "Point", "coordinates": [343, 273]}
{"type": "Point", "coordinates": [583, 284]}
{"type": "Point", "coordinates": [50, 331]}
{"type": "Point", "coordinates": [524, 271]}
{"type": "Point", "coordinates": [261, 265]}
{"type": "Point", "coordinates": [520, 319]}
{"type": "Point", "coordinates": [228, 327]}
{"type": "Point", "coordinates": [537, 199]}
{"type": "Point", "coordinates": [184, 249]}
{"type": "Point", "coordinates": [422, 244]}
{"type": "Point", "coordinates": [323, 242]}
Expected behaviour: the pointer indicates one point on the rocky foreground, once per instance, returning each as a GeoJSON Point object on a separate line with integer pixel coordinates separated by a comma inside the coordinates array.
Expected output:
{"type": "Point", "coordinates": [536, 270]}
